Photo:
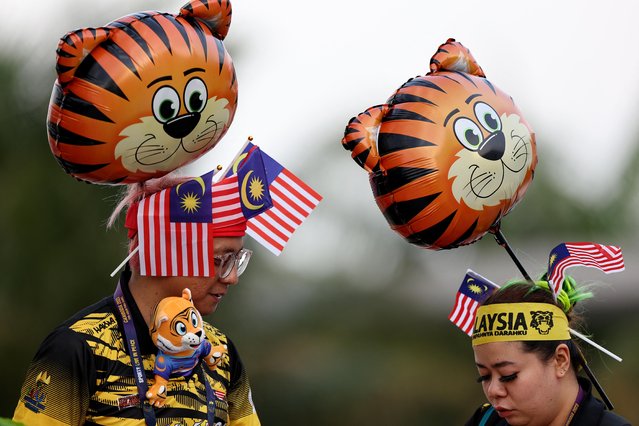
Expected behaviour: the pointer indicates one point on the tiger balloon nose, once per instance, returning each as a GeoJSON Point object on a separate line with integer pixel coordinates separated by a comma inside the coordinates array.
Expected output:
{"type": "Point", "coordinates": [448, 155]}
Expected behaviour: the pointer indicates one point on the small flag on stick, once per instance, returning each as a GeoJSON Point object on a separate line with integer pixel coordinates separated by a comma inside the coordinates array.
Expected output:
{"type": "Point", "coordinates": [293, 201]}
{"type": "Point", "coordinates": [608, 259]}
{"type": "Point", "coordinates": [473, 291]}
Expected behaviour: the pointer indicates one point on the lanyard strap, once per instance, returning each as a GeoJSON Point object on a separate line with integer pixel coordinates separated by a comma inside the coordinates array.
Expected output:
{"type": "Point", "coordinates": [575, 406]}
{"type": "Point", "coordinates": [136, 360]}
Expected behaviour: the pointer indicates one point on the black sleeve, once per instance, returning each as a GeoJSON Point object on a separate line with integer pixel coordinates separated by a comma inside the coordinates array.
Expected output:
{"type": "Point", "coordinates": [611, 419]}
{"type": "Point", "coordinates": [241, 408]}
{"type": "Point", "coordinates": [59, 381]}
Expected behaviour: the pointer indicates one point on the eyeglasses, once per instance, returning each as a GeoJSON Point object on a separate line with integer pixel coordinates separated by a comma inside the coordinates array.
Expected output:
{"type": "Point", "coordinates": [224, 263]}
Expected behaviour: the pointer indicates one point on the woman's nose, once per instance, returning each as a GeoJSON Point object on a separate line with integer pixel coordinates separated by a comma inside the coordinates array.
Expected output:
{"type": "Point", "coordinates": [495, 389]}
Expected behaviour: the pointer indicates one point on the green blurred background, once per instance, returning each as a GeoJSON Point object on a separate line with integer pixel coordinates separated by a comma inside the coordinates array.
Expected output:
{"type": "Point", "coordinates": [349, 325]}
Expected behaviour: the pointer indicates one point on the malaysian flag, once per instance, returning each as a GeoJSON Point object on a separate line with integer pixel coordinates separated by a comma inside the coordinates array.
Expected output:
{"type": "Point", "coordinates": [293, 202]}
{"type": "Point", "coordinates": [243, 194]}
{"type": "Point", "coordinates": [606, 258]}
{"type": "Point", "coordinates": [173, 230]}
{"type": "Point", "coordinates": [473, 291]}
{"type": "Point", "coordinates": [175, 225]}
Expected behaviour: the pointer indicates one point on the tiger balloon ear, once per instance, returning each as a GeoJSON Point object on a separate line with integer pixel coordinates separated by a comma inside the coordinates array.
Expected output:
{"type": "Point", "coordinates": [453, 56]}
{"type": "Point", "coordinates": [360, 137]}
{"type": "Point", "coordinates": [74, 47]}
{"type": "Point", "coordinates": [215, 14]}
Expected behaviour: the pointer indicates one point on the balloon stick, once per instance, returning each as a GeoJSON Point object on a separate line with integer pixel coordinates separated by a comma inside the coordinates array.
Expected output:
{"type": "Point", "coordinates": [501, 240]}
{"type": "Point", "coordinates": [593, 379]}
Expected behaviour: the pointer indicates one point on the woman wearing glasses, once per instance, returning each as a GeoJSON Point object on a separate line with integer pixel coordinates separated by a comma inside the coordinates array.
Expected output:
{"type": "Point", "coordinates": [97, 366]}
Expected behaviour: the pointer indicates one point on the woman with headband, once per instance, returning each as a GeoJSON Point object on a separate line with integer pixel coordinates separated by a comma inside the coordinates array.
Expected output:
{"type": "Point", "coordinates": [528, 365]}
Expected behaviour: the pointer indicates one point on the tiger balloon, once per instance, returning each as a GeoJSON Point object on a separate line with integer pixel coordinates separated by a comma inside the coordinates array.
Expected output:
{"type": "Point", "coordinates": [448, 154]}
{"type": "Point", "coordinates": [143, 95]}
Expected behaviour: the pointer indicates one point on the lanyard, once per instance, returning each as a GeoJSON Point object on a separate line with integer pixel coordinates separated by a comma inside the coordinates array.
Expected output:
{"type": "Point", "coordinates": [575, 407]}
{"type": "Point", "coordinates": [136, 361]}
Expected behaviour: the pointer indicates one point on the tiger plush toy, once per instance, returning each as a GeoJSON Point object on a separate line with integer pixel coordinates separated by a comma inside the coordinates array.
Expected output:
{"type": "Point", "coordinates": [449, 154]}
{"type": "Point", "coordinates": [143, 95]}
{"type": "Point", "coordinates": [177, 330]}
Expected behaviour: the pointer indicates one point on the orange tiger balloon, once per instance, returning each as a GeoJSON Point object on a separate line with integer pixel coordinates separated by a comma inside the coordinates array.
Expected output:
{"type": "Point", "coordinates": [449, 154]}
{"type": "Point", "coordinates": [143, 95]}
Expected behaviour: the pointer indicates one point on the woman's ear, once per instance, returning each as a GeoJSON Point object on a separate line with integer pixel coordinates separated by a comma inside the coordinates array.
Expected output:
{"type": "Point", "coordinates": [562, 360]}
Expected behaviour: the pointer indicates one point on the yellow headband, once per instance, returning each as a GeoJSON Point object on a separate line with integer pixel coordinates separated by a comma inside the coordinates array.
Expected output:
{"type": "Point", "coordinates": [509, 322]}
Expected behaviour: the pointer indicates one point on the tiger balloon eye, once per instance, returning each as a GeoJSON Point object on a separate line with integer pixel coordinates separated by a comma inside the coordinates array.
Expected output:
{"type": "Point", "coordinates": [143, 95]}
{"type": "Point", "coordinates": [448, 155]}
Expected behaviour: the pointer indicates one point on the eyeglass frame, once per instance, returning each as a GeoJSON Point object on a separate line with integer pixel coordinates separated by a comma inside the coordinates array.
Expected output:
{"type": "Point", "coordinates": [224, 270]}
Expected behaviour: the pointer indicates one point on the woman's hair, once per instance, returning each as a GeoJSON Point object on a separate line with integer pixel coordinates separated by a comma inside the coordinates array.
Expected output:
{"type": "Point", "coordinates": [525, 292]}
{"type": "Point", "coordinates": [135, 192]}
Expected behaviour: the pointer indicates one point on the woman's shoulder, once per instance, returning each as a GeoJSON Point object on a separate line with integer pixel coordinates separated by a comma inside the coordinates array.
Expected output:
{"type": "Point", "coordinates": [612, 419]}
{"type": "Point", "coordinates": [485, 416]}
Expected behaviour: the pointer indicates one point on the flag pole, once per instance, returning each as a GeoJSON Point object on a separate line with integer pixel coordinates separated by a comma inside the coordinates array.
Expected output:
{"type": "Point", "coordinates": [501, 240]}
{"type": "Point", "coordinates": [126, 259]}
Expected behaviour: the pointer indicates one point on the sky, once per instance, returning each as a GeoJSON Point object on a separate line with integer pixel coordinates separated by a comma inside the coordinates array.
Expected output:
{"type": "Point", "coordinates": [305, 68]}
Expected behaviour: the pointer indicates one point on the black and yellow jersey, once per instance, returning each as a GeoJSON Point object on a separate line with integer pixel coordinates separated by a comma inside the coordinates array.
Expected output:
{"type": "Point", "coordinates": [82, 374]}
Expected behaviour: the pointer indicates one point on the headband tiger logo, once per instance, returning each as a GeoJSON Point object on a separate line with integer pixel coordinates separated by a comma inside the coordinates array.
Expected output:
{"type": "Point", "coordinates": [143, 95]}
{"type": "Point", "coordinates": [449, 154]}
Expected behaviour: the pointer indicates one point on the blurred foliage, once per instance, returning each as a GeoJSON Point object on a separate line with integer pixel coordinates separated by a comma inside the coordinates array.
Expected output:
{"type": "Point", "coordinates": [319, 351]}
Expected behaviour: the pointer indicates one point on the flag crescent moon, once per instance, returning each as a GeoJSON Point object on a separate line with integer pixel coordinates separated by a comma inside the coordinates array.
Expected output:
{"type": "Point", "coordinates": [197, 179]}
{"type": "Point", "coordinates": [238, 161]}
{"type": "Point", "coordinates": [245, 199]}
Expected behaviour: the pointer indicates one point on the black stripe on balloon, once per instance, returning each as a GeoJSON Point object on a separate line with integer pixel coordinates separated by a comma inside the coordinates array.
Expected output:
{"type": "Point", "coordinates": [401, 98]}
{"type": "Point", "coordinates": [348, 130]}
{"type": "Point", "coordinates": [422, 82]}
{"type": "Point", "coordinates": [121, 56]}
{"type": "Point", "coordinates": [77, 105]}
{"type": "Point", "coordinates": [90, 70]}
{"type": "Point", "coordinates": [490, 85]}
{"type": "Point", "coordinates": [402, 212]}
{"type": "Point", "coordinates": [200, 32]}
{"type": "Point", "coordinates": [391, 142]}
{"type": "Point", "coordinates": [64, 54]}
{"type": "Point", "coordinates": [396, 178]}
{"type": "Point", "coordinates": [178, 26]}
{"type": "Point", "coordinates": [75, 168]}
{"type": "Point", "coordinates": [151, 22]}
{"type": "Point", "coordinates": [467, 233]}
{"type": "Point", "coordinates": [350, 145]}
{"type": "Point", "coordinates": [220, 53]}
{"type": "Point", "coordinates": [464, 75]}
{"type": "Point", "coordinates": [402, 114]}
{"type": "Point", "coordinates": [116, 181]}
{"type": "Point", "coordinates": [62, 135]}
{"type": "Point", "coordinates": [362, 156]}
{"type": "Point", "coordinates": [428, 236]}
{"type": "Point", "coordinates": [61, 69]}
{"type": "Point", "coordinates": [449, 78]}
{"type": "Point", "coordinates": [137, 38]}
{"type": "Point", "coordinates": [434, 61]}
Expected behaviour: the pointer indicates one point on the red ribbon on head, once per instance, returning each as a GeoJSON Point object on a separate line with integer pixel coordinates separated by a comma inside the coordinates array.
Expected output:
{"type": "Point", "coordinates": [131, 221]}
{"type": "Point", "coordinates": [237, 229]}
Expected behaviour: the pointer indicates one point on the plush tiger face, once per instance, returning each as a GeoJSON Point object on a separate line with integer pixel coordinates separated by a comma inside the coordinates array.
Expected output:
{"type": "Point", "coordinates": [449, 154]}
{"type": "Point", "coordinates": [144, 95]}
{"type": "Point", "coordinates": [177, 327]}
